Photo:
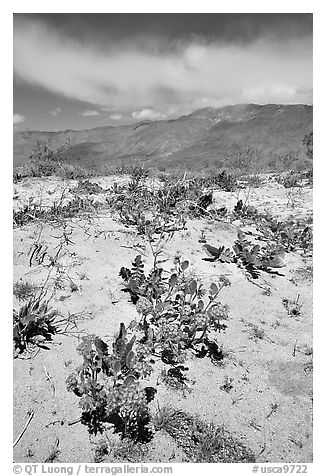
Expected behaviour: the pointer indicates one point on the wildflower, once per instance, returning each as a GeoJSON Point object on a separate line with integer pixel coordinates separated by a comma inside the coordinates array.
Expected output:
{"type": "Point", "coordinates": [144, 306]}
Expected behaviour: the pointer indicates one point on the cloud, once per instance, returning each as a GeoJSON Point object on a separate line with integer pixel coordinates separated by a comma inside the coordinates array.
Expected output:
{"type": "Point", "coordinates": [115, 117]}
{"type": "Point", "coordinates": [147, 114]}
{"type": "Point", "coordinates": [18, 119]}
{"type": "Point", "coordinates": [138, 77]}
{"type": "Point", "coordinates": [56, 111]}
{"type": "Point", "coordinates": [89, 112]}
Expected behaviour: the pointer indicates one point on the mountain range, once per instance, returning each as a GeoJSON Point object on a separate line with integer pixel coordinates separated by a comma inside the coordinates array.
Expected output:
{"type": "Point", "coordinates": [205, 137]}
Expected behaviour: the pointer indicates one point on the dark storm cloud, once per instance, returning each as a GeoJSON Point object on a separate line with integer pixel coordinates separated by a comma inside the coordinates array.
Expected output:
{"type": "Point", "coordinates": [154, 66]}
{"type": "Point", "coordinates": [229, 27]}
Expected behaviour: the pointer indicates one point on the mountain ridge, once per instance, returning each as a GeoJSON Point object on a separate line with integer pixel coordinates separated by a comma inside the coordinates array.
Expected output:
{"type": "Point", "coordinates": [206, 136]}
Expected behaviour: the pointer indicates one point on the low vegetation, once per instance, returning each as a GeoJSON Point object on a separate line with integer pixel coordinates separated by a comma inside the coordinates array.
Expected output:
{"type": "Point", "coordinates": [202, 442]}
{"type": "Point", "coordinates": [179, 315]}
{"type": "Point", "coordinates": [34, 324]}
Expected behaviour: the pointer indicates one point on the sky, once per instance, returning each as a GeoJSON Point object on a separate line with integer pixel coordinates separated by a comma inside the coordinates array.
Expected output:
{"type": "Point", "coordinates": [78, 71]}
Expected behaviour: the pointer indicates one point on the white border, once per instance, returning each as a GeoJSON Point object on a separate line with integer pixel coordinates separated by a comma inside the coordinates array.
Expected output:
{"type": "Point", "coordinates": [168, 6]}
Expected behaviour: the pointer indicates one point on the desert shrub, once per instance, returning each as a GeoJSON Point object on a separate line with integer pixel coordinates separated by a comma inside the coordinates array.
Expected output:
{"type": "Point", "coordinates": [253, 258]}
{"type": "Point", "coordinates": [137, 205]}
{"type": "Point", "coordinates": [45, 160]}
{"type": "Point", "coordinates": [288, 235]}
{"type": "Point", "coordinates": [85, 187]}
{"type": "Point", "coordinates": [29, 212]}
{"type": "Point", "coordinates": [172, 194]}
{"type": "Point", "coordinates": [192, 197]}
{"type": "Point", "coordinates": [202, 442]}
{"type": "Point", "coordinates": [20, 173]}
{"type": "Point", "coordinates": [289, 179]}
{"type": "Point", "coordinates": [142, 213]}
{"type": "Point", "coordinates": [101, 450]}
{"type": "Point", "coordinates": [108, 385]}
{"type": "Point", "coordinates": [135, 170]}
{"type": "Point", "coordinates": [293, 306]}
{"type": "Point", "coordinates": [194, 187]}
{"type": "Point", "coordinates": [174, 316]}
{"type": "Point", "coordinates": [244, 160]}
{"type": "Point", "coordinates": [34, 324]}
{"type": "Point", "coordinates": [77, 206]}
{"type": "Point", "coordinates": [225, 181]}
{"type": "Point", "coordinates": [291, 234]}
{"type": "Point", "coordinates": [130, 450]}
{"type": "Point", "coordinates": [59, 210]}
{"type": "Point", "coordinates": [23, 290]}
{"type": "Point", "coordinates": [37, 168]}
{"type": "Point", "coordinates": [308, 175]}
{"type": "Point", "coordinates": [139, 173]}
{"type": "Point", "coordinates": [296, 161]}
{"type": "Point", "coordinates": [296, 178]}
{"type": "Point", "coordinates": [302, 165]}
{"type": "Point", "coordinates": [308, 142]}
{"type": "Point", "coordinates": [289, 159]}
{"type": "Point", "coordinates": [167, 205]}
{"type": "Point", "coordinates": [17, 176]}
{"type": "Point", "coordinates": [245, 211]}
{"type": "Point", "coordinates": [73, 172]}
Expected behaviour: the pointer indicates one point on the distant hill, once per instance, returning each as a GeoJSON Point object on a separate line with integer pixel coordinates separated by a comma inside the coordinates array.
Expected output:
{"type": "Point", "coordinates": [205, 137]}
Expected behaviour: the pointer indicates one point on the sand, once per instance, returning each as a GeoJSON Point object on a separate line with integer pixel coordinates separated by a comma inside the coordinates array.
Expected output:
{"type": "Point", "coordinates": [272, 372]}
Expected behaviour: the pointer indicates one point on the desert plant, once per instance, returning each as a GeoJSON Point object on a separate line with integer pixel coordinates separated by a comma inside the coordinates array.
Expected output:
{"type": "Point", "coordinates": [30, 453]}
{"type": "Point", "coordinates": [245, 211]}
{"type": "Point", "coordinates": [139, 205]}
{"type": "Point", "coordinates": [254, 258]}
{"type": "Point", "coordinates": [294, 196]}
{"type": "Point", "coordinates": [222, 254]}
{"type": "Point", "coordinates": [274, 407]}
{"type": "Point", "coordinates": [108, 386]}
{"type": "Point", "coordinates": [34, 324]}
{"type": "Point", "coordinates": [291, 234]}
{"type": "Point", "coordinates": [226, 182]}
{"type": "Point", "coordinates": [244, 160]}
{"type": "Point", "coordinates": [174, 317]}
{"type": "Point", "coordinates": [58, 211]}
{"type": "Point", "coordinates": [202, 442]}
{"type": "Point", "coordinates": [175, 378]}
{"type": "Point", "coordinates": [293, 307]}
{"type": "Point", "coordinates": [289, 180]}
{"type": "Point", "coordinates": [53, 453]}
{"type": "Point", "coordinates": [102, 449]}
{"type": "Point", "coordinates": [129, 450]}
{"type": "Point", "coordinates": [138, 284]}
{"type": "Point", "coordinates": [46, 160]}
{"type": "Point", "coordinates": [29, 212]}
{"type": "Point", "coordinates": [20, 173]}
{"type": "Point", "coordinates": [85, 187]}
{"type": "Point", "coordinates": [227, 386]}
{"type": "Point", "coordinates": [256, 332]}
{"type": "Point", "coordinates": [138, 175]}
{"type": "Point", "coordinates": [308, 142]}
{"type": "Point", "coordinates": [202, 238]}
{"type": "Point", "coordinates": [24, 290]}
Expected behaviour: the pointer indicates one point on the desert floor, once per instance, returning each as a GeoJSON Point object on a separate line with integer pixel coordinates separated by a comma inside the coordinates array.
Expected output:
{"type": "Point", "coordinates": [269, 350]}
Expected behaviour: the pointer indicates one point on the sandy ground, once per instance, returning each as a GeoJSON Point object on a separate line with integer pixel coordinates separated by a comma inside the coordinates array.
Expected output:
{"type": "Point", "coordinates": [265, 371]}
